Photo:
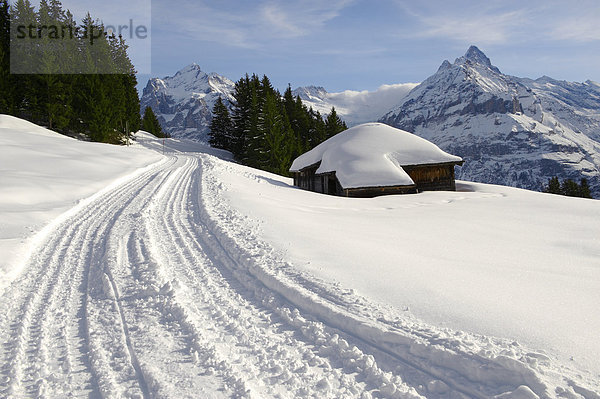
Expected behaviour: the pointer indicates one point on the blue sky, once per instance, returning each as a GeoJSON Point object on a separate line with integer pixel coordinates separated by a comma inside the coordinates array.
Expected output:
{"type": "Point", "coordinates": [358, 44]}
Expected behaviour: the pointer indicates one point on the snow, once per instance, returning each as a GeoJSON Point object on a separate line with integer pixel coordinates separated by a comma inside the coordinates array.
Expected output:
{"type": "Point", "coordinates": [43, 174]}
{"type": "Point", "coordinates": [192, 82]}
{"type": "Point", "coordinates": [372, 155]}
{"type": "Point", "coordinates": [193, 276]}
{"type": "Point", "coordinates": [489, 260]}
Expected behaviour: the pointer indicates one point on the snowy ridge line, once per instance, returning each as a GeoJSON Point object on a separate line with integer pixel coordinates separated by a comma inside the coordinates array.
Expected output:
{"type": "Point", "coordinates": [472, 374]}
{"type": "Point", "coordinates": [271, 351]}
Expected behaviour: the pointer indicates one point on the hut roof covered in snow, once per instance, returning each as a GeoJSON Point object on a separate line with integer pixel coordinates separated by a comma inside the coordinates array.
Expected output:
{"type": "Point", "coordinates": [372, 155]}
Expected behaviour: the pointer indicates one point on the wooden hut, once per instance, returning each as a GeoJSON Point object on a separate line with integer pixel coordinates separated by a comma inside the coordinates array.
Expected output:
{"type": "Point", "coordinates": [375, 159]}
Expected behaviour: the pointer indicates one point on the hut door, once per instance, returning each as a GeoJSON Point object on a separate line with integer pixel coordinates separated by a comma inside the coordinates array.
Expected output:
{"type": "Point", "coordinates": [331, 185]}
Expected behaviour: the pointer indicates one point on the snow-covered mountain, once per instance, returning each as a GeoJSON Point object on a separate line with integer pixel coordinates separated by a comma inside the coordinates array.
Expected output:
{"type": "Point", "coordinates": [183, 103]}
{"type": "Point", "coordinates": [355, 107]}
{"type": "Point", "coordinates": [510, 131]}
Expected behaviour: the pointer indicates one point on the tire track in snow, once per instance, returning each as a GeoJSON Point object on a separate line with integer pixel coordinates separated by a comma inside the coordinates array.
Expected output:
{"type": "Point", "coordinates": [148, 299]}
{"type": "Point", "coordinates": [218, 311]}
{"type": "Point", "coordinates": [48, 277]}
{"type": "Point", "coordinates": [114, 300]}
{"type": "Point", "coordinates": [36, 362]}
{"type": "Point", "coordinates": [345, 371]}
{"type": "Point", "coordinates": [441, 363]}
{"type": "Point", "coordinates": [445, 371]}
{"type": "Point", "coordinates": [140, 294]}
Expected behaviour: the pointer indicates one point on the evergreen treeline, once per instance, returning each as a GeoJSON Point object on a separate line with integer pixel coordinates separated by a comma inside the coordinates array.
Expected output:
{"type": "Point", "coordinates": [151, 124]}
{"type": "Point", "coordinates": [83, 80]}
{"type": "Point", "coordinates": [266, 130]}
{"type": "Point", "coordinates": [569, 188]}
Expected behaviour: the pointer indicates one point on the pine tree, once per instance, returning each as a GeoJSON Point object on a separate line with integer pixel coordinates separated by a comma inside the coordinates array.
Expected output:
{"type": "Point", "coordinates": [569, 188]}
{"type": "Point", "coordinates": [334, 124]}
{"type": "Point", "coordinates": [84, 83]}
{"type": "Point", "coordinates": [253, 135]}
{"type": "Point", "coordinates": [302, 124]}
{"type": "Point", "coordinates": [151, 124]}
{"type": "Point", "coordinates": [6, 80]}
{"type": "Point", "coordinates": [220, 135]}
{"type": "Point", "coordinates": [25, 49]}
{"type": "Point", "coordinates": [24, 54]}
{"type": "Point", "coordinates": [240, 114]}
{"type": "Point", "coordinates": [100, 112]}
{"type": "Point", "coordinates": [584, 189]}
{"type": "Point", "coordinates": [55, 90]}
{"type": "Point", "coordinates": [553, 186]}
{"type": "Point", "coordinates": [277, 134]}
{"type": "Point", "coordinates": [269, 130]}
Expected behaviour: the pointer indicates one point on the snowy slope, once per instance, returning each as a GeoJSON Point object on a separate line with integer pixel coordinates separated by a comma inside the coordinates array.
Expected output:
{"type": "Point", "coordinates": [43, 174]}
{"type": "Point", "coordinates": [198, 277]}
{"type": "Point", "coordinates": [502, 275]}
{"type": "Point", "coordinates": [183, 103]}
{"type": "Point", "coordinates": [510, 131]}
{"type": "Point", "coordinates": [355, 107]}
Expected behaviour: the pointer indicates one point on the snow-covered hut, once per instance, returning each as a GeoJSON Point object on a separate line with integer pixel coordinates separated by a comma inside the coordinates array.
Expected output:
{"type": "Point", "coordinates": [375, 159]}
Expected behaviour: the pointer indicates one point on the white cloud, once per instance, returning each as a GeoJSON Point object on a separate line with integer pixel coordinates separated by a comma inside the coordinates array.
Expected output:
{"type": "Point", "coordinates": [278, 20]}
{"type": "Point", "coordinates": [504, 22]}
{"type": "Point", "coordinates": [246, 24]}
{"type": "Point", "coordinates": [476, 28]}
{"type": "Point", "coordinates": [584, 28]}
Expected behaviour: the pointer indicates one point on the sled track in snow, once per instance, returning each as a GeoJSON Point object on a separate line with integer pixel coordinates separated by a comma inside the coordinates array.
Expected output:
{"type": "Point", "coordinates": [142, 293]}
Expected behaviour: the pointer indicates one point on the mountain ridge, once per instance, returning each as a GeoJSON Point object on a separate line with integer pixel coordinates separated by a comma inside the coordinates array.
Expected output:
{"type": "Point", "coordinates": [511, 131]}
{"type": "Point", "coordinates": [183, 102]}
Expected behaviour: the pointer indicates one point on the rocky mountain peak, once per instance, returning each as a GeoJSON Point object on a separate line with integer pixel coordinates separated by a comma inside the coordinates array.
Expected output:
{"type": "Point", "coordinates": [474, 56]}
{"type": "Point", "coordinates": [192, 68]}
{"type": "Point", "coordinates": [307, 92]}
{"type": "Point", "coordinates": [183, 102]}
{"type": "Point", "coordinates": [445, 65]}
{"type": "Point", "coordinates": [510, 131]}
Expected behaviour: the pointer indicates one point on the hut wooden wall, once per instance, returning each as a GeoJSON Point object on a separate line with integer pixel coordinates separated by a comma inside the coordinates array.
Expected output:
{"type": "Point", "coordinates": [426, 178]}
{"type": "Point", "coordinates": [370, 192]}
{"type": "Point", "coordinates": [325, 183]}
{"type": "Point", "coordinates": [432, 177]}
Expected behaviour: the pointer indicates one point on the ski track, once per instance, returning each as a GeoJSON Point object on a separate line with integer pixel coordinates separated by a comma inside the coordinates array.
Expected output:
{"type": "Point", "coordinates": [155, 289]}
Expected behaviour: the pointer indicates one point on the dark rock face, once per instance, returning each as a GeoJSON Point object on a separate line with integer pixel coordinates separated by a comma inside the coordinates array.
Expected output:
{"type": "Point", "coordinates": [509, 131]}
{"type": "Point", "coordinates": [183, 103]}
